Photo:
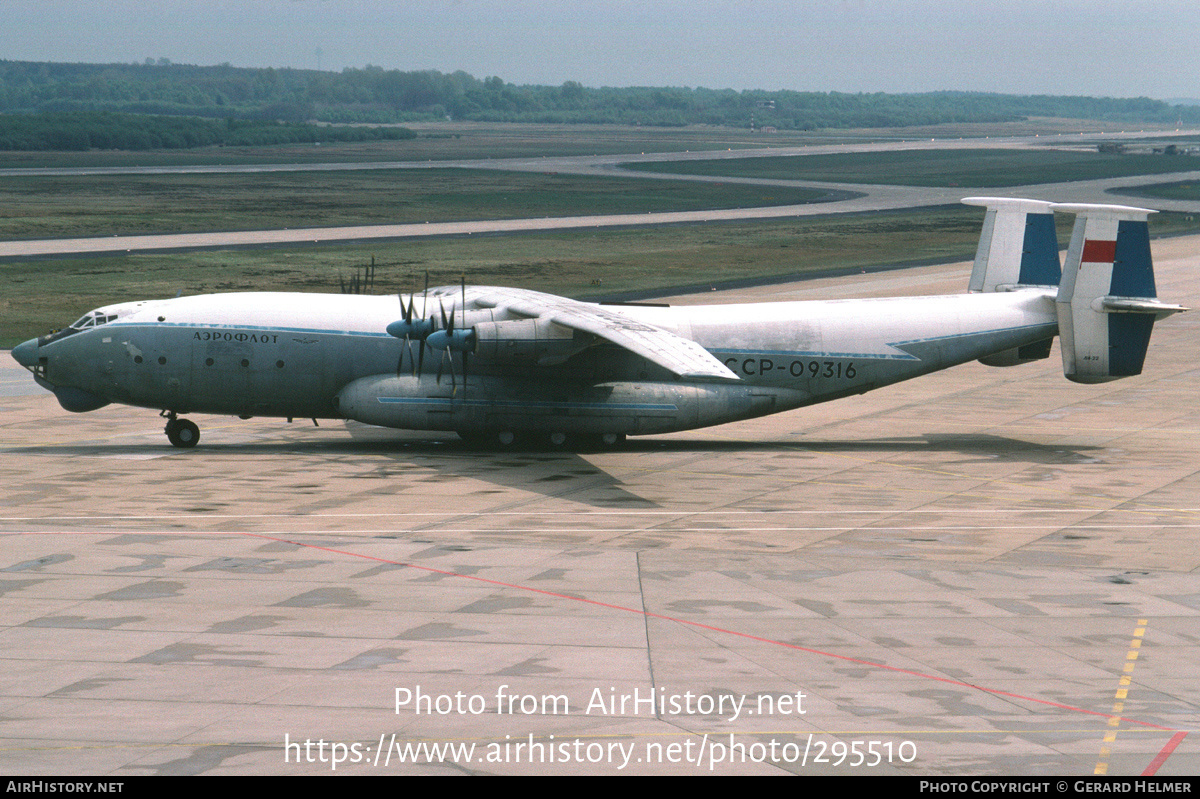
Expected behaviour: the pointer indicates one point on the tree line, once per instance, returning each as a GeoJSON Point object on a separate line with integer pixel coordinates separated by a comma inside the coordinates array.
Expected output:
{"type": "Point", "coordinates": [375, 95]}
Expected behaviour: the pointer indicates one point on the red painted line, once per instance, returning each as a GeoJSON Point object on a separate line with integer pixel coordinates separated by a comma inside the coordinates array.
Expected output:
{"type": "Point", "coordinates": [1100, 252]}
{"type": "Point", "coordinates": [700, 625]}
{"type": "Point", "coordinates": [1162, 756]}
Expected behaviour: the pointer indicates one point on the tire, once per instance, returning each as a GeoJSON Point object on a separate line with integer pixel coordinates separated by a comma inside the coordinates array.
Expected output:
{"type": "Point", "coordinates": [183, 433]}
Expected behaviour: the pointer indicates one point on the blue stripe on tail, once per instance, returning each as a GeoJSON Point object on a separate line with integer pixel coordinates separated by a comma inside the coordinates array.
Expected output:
{"type": "Point", "coordinates": [1133, 274]}
{"type": "Point", "coordinates": [1128, 338]}
{"type": "Point", "coordinates": [1039, 259]}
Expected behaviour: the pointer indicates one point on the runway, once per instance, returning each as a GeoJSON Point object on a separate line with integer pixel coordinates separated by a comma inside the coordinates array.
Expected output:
{"type": "Point", "coordinates": [979, 572]}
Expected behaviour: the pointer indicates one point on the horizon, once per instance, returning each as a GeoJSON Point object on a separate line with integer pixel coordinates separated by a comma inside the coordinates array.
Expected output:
{"type": "Point", "coordinates": [1077, 48]}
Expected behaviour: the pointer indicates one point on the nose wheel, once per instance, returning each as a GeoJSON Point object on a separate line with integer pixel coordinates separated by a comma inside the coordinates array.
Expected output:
{"type": "Point", "coordinates": [182, 432]}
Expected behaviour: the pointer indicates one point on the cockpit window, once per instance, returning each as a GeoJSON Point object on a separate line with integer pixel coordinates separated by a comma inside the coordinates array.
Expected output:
{"type": "Point", "coordinates": [86, 322]}
{"type": "Point", "coordinates": [93, 319]}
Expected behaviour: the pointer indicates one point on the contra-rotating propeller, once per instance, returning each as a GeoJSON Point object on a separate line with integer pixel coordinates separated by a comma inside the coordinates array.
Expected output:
{"type": "Point", "coordinates": [411, 329]}
{"type": "Point", "coordinates": [450, 339]}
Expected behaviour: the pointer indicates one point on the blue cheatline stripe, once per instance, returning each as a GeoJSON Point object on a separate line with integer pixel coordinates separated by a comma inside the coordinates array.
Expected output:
{"type": "Point", "coordinates": [1133, 273]}
{"type": "Point", "coordinates": [231, 326]}
{"type": "Point", "coordinates": [1128, 338]}
{"type": "Point", "coordinates": [1039, 258]}
{"type": "Point", "coordinates": [595, 406]}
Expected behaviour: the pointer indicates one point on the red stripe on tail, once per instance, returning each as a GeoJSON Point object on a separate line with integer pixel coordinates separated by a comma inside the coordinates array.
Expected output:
{"type": "Point", "coordinates": [1098, 252]}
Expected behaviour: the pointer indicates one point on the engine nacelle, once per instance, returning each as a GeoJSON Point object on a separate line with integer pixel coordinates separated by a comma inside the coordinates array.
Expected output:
{"type": "Point", "coordinates": [535, 342]}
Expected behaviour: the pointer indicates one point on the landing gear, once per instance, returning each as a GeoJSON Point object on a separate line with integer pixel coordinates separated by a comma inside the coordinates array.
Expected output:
{"type": "Point", "coordinates": [181, 432]}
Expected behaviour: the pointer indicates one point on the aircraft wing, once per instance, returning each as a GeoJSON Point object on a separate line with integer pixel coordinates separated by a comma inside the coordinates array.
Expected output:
{"type": "Point", "coordinates": [681, 356]}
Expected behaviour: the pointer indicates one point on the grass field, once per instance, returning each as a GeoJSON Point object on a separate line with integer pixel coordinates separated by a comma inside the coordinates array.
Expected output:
{"type": "Point", "coordinates": [109, 205]}
{"type": "Point", "coordinates": [975, 168]}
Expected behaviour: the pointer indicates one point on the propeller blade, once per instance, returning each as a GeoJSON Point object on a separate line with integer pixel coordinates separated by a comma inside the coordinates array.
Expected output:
{"type": "Point", "coordinates": [404, 315]}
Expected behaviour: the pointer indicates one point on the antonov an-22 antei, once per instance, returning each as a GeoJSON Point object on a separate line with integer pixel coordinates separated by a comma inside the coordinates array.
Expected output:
{"type": "Point", "coordinates": [503, 366]}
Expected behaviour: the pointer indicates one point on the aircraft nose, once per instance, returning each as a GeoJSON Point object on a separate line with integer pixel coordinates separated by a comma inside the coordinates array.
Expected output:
{"type": "Point", "coordinates": [26, 353]}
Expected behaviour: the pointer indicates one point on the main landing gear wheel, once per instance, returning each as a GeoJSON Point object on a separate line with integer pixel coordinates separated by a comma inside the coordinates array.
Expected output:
{"type": "Point", "coordinates": [182, 433]}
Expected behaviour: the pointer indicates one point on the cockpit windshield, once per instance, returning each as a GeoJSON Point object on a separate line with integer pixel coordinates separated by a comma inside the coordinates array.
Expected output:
{"type": "Point", "coordinates": [100, 316]}
{"type": "Point", "coordinates": [93, 319]}
{"type": "Point", "coordinates": [89, 320]}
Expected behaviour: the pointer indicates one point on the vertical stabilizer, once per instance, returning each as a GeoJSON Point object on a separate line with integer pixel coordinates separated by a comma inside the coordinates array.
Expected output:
{"type": "Point", "coordinates": [1107, 302]}
{"type": "Point", "coordinates": [1018, 245]}
{"type": "Point", "coordinates": [1018, 248]}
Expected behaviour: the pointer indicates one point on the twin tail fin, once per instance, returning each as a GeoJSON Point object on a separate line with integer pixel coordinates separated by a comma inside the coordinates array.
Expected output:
{"type": "Point", "coordinates": [1106, 300]}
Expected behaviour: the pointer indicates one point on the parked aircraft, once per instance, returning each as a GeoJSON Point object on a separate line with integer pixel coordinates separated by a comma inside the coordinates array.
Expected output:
{"type": "Point", "coordinates": [504, 366]}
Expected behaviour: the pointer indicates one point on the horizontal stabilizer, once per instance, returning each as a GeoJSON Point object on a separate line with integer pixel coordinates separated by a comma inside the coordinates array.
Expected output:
{"type": "Point", "coordinates": [1161, 310]}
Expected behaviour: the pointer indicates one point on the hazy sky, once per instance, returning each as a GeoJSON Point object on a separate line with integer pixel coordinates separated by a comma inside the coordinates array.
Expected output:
{"type": "Point", "coordinates": [1119, 48]}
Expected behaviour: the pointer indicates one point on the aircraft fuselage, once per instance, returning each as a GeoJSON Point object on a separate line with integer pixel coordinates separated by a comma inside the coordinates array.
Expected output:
{"type": "Point", "coordinates": [328, 356]}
